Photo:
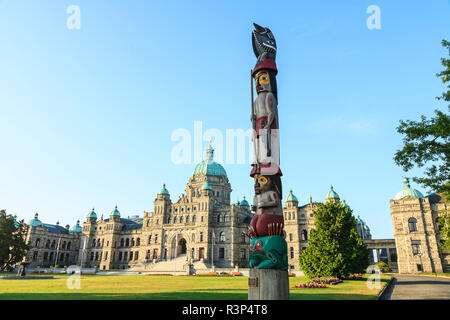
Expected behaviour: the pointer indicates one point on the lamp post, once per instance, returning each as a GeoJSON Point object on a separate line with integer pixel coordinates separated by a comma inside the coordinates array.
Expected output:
{"type": "Point", "coordinates": [212, 253]}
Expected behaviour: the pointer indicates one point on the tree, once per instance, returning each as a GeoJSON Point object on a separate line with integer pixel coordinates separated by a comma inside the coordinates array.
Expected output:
{"type": "Point", "coordinates": [334, 246]}
{"type": "Point", "coordinates": [12, 241]}
{"type": "Point", "coordinates": [427, 142]}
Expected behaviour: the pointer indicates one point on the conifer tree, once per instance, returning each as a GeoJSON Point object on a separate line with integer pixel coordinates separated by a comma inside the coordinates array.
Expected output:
{"type": "Point", "coordinates": [334, 246]}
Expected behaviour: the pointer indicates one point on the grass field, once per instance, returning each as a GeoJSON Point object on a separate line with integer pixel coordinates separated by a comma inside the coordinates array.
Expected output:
{"type": "Point", "coordinates": [171, 288]}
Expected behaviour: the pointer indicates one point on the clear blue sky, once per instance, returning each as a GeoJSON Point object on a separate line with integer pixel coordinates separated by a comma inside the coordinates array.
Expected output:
{"type": "Point", "coordinates": [86, 116]}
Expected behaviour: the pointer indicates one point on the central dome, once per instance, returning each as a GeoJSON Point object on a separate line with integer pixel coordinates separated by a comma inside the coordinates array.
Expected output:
{"type": "Point", "coordinates": [208, 166]}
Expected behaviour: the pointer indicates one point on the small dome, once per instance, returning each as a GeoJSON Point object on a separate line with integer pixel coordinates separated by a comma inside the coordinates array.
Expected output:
{"type": "Point", "coordinates": [346, 205]}
{"type": "Point", "coordinates": [92, 214]}
{"type": "Point", "coordinates": [115, 212]}
{"type": "Point", "coordinates": [244, 202]}
{"type": "Point", "coordinates": [206, 185]}
{"type": "Point", "coordinates": [291, 197]}
{"type": "Point", "coordinates": [35, 222]}
{"type": "Point", "coordinates": [407, 191]}
{"type": "Point", "coordinates": [164, 190]}
{"type": "Point", "coordinates": [16, 224]}
{"type": "Point", "coordinates": [209, 166]}
{"type": "Point", "coordinates": [332, 194]}
{"type": "Point", "coordinates": [76, 228]}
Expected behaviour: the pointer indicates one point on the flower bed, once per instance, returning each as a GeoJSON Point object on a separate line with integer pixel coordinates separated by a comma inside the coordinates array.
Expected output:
{"type": "Point", "coordinates": [318, 283]}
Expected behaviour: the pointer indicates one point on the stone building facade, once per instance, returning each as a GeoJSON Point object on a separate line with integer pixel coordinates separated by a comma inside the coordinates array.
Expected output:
{"type": "Point", "coordinates": [416, 232]}
{"type": "Point", "coordinates": [52, 244]}
{"type": "Point", "coordinates": [202, 225]}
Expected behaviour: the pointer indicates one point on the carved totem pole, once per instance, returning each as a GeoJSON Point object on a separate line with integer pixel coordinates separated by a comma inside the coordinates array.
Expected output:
{"type": "Point", "coordinates": [268, 248]}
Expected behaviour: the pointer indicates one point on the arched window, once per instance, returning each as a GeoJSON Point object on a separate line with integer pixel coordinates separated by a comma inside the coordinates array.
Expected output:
{"type": "Point", "coordinates": [37, 242]}
{"type": "Point", "coordinates": [149, 239]}
{"type": "Point", "coordinates": [53, 243]}
{"type": "Point", "coordinates": [181, 219]}
{"type": "Point", "coordinates": [148, 223]}
{"type": "Point", "coordinates": [47, 244]}
{"type": "Point", "coordinates": [412, 224]}
{"type": "Point", "coordinates": [127, 242]}
{"type": "Point", "coordinates": [64, 245]}
{"type": "Point", "coordinates": [121, 243]}
{"type": "Point", "coordinates": [218, 218]}
{"type": "Point", "coordinates": [222, 237]}
{"type": "Point", "coordinates": [69, 245]}
{"type": "Point", "coordinates": [93, 243]}
{"type": "Point", "coordinates": [138, 241]}
{"type": "Point", "coordinates": [194, 218]}
{"type": "Point", "coordinates": [132, 242]}
{"type": "Point", "coordinates": [174, 220]}
{"type": "Point", "coordinates": [304, 235]}
{"type": "Point", "coordinates": [226, 218]}
{"type": "Point", "coordinates": [187, 219]}
{"type": "Point", "coordinates": [169, 220]}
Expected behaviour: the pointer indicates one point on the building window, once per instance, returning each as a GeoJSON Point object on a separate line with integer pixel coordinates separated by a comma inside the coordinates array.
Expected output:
{"type": "Point", "coordinates": [69, 245]}
{"type": "Point", "coordinates": [419, 267]}
{"type": "Point", "coordinates": [45, 256]}
{"type": "Point", "coordinates": [175, 220]}
{"type": "Point", "coordinates": [243, 253]}
{"type": "Point", "coordinates": [292, 252]}
{"type": "Point", "coordinates": [218, 218]}
{"type": "Point", "coordinates": [412, 224]}
{"type": "Point", "coordinates": [222, 237]}
{"type": "Point", "coordinates": [125, 256]}
{"type": "Point", "coordinates": [156, 238]}
{"type": "Point", "coordinates": [201, 219]}
{"type": "Point", "coordinates": [37, 242]}
{"type": "Point", "coordinates": [47, 244]}
{"type": "Point", "coordinates": [416, 247]}
{"type": "Point", "coordinates": [131, 255]}
{"type": "Point", "coordinates": [138, 241]}
{"type": "Point", "coordinates": [127, 242]}
{"type": "Point", "coordinates": [201, 236]}
{"type": "Point", "coordinates": [181, 219]}
{"type": "Point", "coordinates": [35, 255]}
{"type": "Point", "coordinates": [149, 239]}
{"type": "Point", "coordinates": [169, 220]}
{"type": "Point", "coordinates": [221, 253]}
{"type": "Point", "coordinates": [187, 219]}
{"type": "Point", "coordinates": [291, 237]}
{"type": "Point", "coordinates": [304, 235]}
{"type": "Point", "coordinates": [121, 242]}
{"type": "Point", "coordinates": [120, 256]}
{"type": "Point", "coordinates": [194, 218]}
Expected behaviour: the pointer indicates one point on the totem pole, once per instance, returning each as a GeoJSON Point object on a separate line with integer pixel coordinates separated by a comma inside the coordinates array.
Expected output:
{"type": "Point", "coordinates": [268, 249]}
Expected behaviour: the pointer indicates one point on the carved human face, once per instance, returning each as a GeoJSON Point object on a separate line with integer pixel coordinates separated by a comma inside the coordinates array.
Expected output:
{"type": "Point", "coordinates": [262, 184]}
{"type": "Point", "coordinates": [262, 81]}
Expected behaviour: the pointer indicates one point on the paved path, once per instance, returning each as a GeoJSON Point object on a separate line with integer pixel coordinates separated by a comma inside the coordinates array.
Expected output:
{"type": "Point", "coordinates": [410, 287]}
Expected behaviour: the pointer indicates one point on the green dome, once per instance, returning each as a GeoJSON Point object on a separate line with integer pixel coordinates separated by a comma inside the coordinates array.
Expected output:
{"type": "Point", "coordinates": [164, 190]}
{"type": "Point", "coordinates": [291, 197]}
{"type": "Point", "coordinates": [206, 185]}
{"type": "Point", "coordinates": [244, 202]}
{"type": "Point", "coordinates": [35, 222]}
{"type": "Point", "coordinates": [209, 166]}
{"type": "Point", "coordinates": [76, 228]}
{"type": "Point", "coordinates": [16, 224]}
{"type": "Point", "coordinates": [407, 191]}
{"type": "Point", "coordinates": [92, 214]}
{"type": "Point", "coordinates": [115, 212]}
{"type": "Point", "coordinates": [332, 194]}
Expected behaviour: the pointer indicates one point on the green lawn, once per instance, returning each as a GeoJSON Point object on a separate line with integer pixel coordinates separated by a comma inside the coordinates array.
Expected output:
{"type": "Point", "coordinates": [171, 288]}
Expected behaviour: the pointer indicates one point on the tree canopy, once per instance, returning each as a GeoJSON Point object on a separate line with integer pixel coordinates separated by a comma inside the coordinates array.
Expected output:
{"type": "Point", "coordinates": [12, 241]}
{"type": "Point", "coordinates": [334, 246]}
{"type": "Point", "coordinates": [427, 142]}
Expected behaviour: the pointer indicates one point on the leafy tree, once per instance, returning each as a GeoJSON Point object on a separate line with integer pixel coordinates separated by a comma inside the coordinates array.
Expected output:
{"type": "Point", "coordinates": [12, 241]}
{"type": "Point", "coordinates": [427, 142]}
{"type": "Point", "coordinates": [334, 246]}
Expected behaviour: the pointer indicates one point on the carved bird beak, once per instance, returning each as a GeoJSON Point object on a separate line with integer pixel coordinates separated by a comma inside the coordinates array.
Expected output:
{"type": "Point", "coordinates": [259, 28]}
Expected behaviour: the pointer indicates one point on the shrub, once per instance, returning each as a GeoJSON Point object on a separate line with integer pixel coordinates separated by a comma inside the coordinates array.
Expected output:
{"type": "Point", "coordinates": [383, 267]}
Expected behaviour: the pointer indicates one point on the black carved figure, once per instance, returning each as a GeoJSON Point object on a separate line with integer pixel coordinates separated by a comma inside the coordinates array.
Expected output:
{"type": "Point", "coordinates": [263, 42]}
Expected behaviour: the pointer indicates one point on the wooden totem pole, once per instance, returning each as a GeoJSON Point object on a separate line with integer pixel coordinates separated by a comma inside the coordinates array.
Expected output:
{"type": "Point", "coordinates": [269, 279]}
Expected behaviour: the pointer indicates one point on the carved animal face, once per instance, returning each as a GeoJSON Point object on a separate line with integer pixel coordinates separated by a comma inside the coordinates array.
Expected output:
{"type": "Point", "coordinates": [262, 81]}
{"type": "Point", "coordinates": [263, 41]}
{"type": "Point", "coordinates": [268, 253]}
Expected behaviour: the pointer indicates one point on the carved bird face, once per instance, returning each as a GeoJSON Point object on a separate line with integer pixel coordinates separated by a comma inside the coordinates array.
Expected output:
{"type": "Point", "coordinates": [263, 41]}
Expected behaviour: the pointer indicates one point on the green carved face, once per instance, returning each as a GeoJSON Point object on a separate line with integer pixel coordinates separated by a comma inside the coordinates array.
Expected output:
{"type": "Point", "coordinates": [268, 252]}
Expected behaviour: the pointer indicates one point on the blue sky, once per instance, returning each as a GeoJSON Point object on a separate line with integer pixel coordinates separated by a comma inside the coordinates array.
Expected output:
{"type": "Point", "coordinates": [87, 115]}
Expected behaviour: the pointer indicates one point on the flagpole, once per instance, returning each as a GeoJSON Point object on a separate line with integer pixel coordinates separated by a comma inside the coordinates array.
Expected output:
{"type": "Point", "coordinates": [175, 254]}
{"type": "Point", "coordinates": [57, 251]}
{"type": "Point", "coordinates": [212, 253]}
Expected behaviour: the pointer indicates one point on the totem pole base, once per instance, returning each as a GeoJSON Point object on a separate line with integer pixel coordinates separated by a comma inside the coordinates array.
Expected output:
{"type": "Point", "coordinates": [268, 284]}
